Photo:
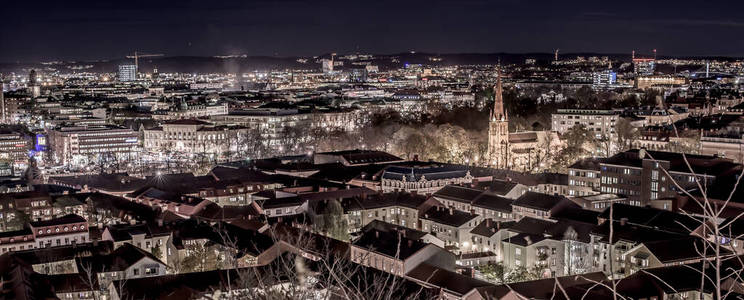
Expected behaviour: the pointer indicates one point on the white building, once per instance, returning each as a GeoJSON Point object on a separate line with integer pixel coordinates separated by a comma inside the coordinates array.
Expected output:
{"type": "Point", "coordinates": [127, 72]}
{"type": "Point", "coordinates": [194, 136]}
{"type": "Point", "coordinates": [600, 122]}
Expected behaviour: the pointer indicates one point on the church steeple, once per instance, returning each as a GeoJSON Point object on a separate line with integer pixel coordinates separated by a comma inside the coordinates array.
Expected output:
{"type": "Point", "coordinates": [498, 128]}
{"type": "Point", "coordinates": [498, 112]}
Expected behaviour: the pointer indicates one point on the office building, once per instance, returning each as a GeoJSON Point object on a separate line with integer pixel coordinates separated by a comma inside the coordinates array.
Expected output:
{"type": "Point", "coordinates": [127, 72]}
{"type": "Point", "coordinates": [85, 143]}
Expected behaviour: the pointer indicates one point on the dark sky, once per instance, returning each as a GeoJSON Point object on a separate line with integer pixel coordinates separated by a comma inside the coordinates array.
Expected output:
{"type": "Point", "coordinates": [32, 30]}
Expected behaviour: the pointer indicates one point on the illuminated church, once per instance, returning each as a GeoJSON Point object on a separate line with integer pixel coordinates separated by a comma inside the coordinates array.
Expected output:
{"type": "Point", "coordinates": [517, 150]}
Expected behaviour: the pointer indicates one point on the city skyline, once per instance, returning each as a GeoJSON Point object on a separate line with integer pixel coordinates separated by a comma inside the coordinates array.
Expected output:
{"type": "Point", "coordinates": [438, 150]}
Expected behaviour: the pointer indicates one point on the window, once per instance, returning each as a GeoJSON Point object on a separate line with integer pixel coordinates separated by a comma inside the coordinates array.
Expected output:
{"type": "Point", "coordinates": [517, 251]}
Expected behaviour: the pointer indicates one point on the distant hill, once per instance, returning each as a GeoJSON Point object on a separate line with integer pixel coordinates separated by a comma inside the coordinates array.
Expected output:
{"type": "Point", "coordinates": [206, 64]}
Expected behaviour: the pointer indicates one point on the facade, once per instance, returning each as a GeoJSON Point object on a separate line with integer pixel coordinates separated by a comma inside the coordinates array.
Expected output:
{"type": "Point", "coordinates": [644, 66]}
{"type": "Point", "coordinates": [584, 178]}
{"type": "Point", "coordinates": [727, 147]}
{"type": "Point", "coordinates": [127, 72]}
{"type": "Point", "coordinates": [66, 230]}
{"type": "Point", "coordinates": [194, 137]}
{"type": "Point", "coordinates": [498, 129]}
{"type": "Point", "coordinates": [451, 226]}
{"type": "Point", "coordinates": [393, 252]}
{"type": "Point", "coordinates": [14, 149]}
{"type": "Point", "coordinates": [599, 122]}
{"type": "Point", "coordinates": [425, 179]}
{"type": "Point", "coordinates": [196, 111]}
{"type": "Point", "coordinates": [72, 145]}
{"type": "Point", "coordinates": [638, 174]}
{"type": "Point", "coordinates": [144, 237]}
{"type": "Point", "coordinates": [650, 81]}
{"type": "Point", "coordinates": [402, 209]}
{"type": "Point", "coordinates": [604, 78]}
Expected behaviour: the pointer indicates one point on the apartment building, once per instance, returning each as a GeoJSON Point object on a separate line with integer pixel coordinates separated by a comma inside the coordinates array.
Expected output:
{"type": "Point", "coordinates": [599, 122]}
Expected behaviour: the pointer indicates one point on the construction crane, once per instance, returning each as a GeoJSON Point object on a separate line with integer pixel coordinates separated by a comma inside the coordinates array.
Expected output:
{"type": "Point", "coordinates": [137, 55]}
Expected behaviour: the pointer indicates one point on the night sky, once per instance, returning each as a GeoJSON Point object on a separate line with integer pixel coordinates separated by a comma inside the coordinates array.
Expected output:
{"type": "Point", "coordinates": [47, 30]}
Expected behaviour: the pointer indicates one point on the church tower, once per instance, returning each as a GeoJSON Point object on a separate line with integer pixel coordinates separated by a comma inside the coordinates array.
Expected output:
{"type": "Point", "coordinates": [498, 129]}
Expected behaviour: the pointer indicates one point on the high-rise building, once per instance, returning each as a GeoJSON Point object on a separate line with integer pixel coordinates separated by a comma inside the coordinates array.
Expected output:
{"type": "Point", "coordinates": [32, 78]}
{"type": "Point", "coordinates": [33, 84]}
{"type": "Point", "coordinates": [327, 65]}
{"type": "Point", "coordinates": [604, 78]}
{"type": "Point", "coordinates": [3, 112]}
{"type": "Point", "coordinates": [644, 66]}
{"type": "Point", "coordinates": [127, 72]}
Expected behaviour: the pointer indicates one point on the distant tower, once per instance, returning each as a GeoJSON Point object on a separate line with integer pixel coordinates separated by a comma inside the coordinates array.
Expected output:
{"type": "Point", "coordinates": [33, 84]}
{"type": "Point", "coordinates": [498, 128]}
{"type": "Point", "coordinates": [3, 113]}
{"type": "Point", "coordinates": [127, 72]}
{"type": "Point", "coordinates": [32, 77]}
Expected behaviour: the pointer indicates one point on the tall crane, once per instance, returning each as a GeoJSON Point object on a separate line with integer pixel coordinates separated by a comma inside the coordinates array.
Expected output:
{"type": "Point", "coordinates": [137, 55]}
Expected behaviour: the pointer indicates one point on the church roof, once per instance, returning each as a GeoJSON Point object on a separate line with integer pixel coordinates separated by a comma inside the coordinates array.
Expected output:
{"type": "Point", "coordinates": [523, 137]}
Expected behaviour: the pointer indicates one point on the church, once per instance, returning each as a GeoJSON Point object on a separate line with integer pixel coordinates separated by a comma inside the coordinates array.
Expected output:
{"type": "Point", "coordinates": [520, 151]}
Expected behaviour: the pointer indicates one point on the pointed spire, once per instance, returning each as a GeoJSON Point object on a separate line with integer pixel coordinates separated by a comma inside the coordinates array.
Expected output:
{"type": "Point", "coordinates": [498, 100]}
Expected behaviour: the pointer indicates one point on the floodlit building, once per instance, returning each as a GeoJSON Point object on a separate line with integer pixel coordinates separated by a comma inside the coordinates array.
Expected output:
{"type": "Point", "coordinates": [87, 143]}
{"type": "Point", "coordinates": [127, 72]}
{"type": "Point", "coordinates": [598, 121]}
{"type": "Point", "coordinates": [194, 137]}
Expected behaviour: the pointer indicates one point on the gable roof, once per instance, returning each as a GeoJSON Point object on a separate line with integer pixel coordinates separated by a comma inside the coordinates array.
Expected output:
{"type": "Point", "coordinates": [538, 201]}
{"type": "Point", "coordinates": [448, 216]}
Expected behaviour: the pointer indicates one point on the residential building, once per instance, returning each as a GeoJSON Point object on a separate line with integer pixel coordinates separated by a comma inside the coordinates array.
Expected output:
{"type": "Point", "coordinates": [451, 226]}
{"type": "Point", "coordinates": [644, 176]}
{"type": "Point", "coordinates": [601, 123]}
{"type": "Point", "coordinates": [66, 230]}
{"type": "Point", "coordinates": [392, 252]}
